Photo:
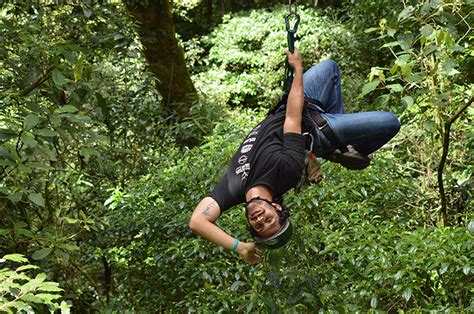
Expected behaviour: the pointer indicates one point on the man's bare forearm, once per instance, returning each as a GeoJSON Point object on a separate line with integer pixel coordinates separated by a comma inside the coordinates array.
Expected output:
{"type": "Point", "coordinates": [202, 223]}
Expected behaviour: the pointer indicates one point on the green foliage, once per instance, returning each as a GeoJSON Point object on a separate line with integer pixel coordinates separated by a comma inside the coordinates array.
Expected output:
{"type": "Point", "coordinates": [149, 230]}
{"type": "Point", "coordinates": [353, 250]}
{"type": "Point", "coordinates": [241, 62]}
{"type": "Point", "coordinates": [19, 291]}
{"type": "Point", "coordinates": [95, 190]}
{"type": "Point", "coordinates": [74, 121]}
{"type": "Point", "coordinates": [429, 79]}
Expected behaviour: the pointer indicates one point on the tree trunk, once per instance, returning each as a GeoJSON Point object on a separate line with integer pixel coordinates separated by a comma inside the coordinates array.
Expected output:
{"type": "Point", "coordinates": [164, 55]}
{"type": "Point", "coordinates": [447, 130]}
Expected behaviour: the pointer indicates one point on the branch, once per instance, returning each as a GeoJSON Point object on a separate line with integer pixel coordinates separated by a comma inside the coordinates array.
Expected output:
{"type": "Point", "coordinates": [38, 83]}
{"type": "Point", "coordinates": [442, 163]}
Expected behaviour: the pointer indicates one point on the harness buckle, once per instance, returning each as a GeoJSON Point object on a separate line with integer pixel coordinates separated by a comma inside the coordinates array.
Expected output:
{"type": "Point", "coordinates": [323, 126]}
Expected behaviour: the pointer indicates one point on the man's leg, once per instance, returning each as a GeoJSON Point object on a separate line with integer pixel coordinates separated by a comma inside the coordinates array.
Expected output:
{"type": "Point", "coordinates": [323, 82]}
{"type": "Point", "coordinates": [364, 131]}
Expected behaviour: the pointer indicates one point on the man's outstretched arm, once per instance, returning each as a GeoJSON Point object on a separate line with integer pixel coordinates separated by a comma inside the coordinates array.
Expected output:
{"type": "Point", "coordinates": [294, 105]}
{"type": "Point", "coordinates": [202, 223]}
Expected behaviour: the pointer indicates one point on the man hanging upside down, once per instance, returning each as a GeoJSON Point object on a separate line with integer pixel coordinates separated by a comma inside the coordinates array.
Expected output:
{"type": "Point", "coordinates": [271, 159]}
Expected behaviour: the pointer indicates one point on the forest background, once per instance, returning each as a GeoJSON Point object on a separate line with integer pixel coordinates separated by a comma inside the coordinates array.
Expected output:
{"type": "Point", "coordinates": [116, 118]}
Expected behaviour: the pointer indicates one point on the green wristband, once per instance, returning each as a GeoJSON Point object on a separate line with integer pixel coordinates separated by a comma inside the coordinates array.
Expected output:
{"type": "Point", "coordinates": [235, 245]}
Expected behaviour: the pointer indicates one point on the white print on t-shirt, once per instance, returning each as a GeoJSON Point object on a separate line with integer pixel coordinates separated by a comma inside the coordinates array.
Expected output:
{"type": "Point", "coordinates": [250, 140]}
{"type": "Point", "coordinates": [246, 149]}
{"type": "Point", "coordinates": [242, 159]}
{"type": "Point", "coordinates": [244, 169]}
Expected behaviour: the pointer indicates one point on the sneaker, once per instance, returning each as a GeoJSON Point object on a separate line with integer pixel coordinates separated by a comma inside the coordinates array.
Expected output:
{"type": "Point", "coordinates": [351, 159]}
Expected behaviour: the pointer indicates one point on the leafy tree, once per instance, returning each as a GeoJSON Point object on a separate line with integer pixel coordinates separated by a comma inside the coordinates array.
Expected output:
{"type": "Point", "coordinates": [430, 74]}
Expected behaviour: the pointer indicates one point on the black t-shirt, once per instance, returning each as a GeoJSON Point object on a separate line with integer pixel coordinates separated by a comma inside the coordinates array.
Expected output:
{"type": "Point", "coordinates": [266, 157]}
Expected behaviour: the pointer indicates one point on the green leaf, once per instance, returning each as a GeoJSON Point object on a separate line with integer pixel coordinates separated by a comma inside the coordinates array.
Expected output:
{"type": "Point", "coordinates": [87, 12]}
{"type": "Point", "coordinates": [88, 152]}
{"type": "Point", "coordinates": [29, 140]}
{"type": "Point", "coordinates": [373, 302]}
{"type": "Point", "coordinates": [426, 30]}
{"type": "Point", "coordinates": [58, 77]}
{"type": "Point", "coordinates": [406, 13]}
{"type": "Point", "coordinates": [19, 258]}
{"type": "Point", "coordinates": [408, 100]}
{"type": "Point", "coordinates": [382, 100]}
{"type": "Point", "coordinates": [19, 305]}
{"type": "Point", "coordinates": [37, 199]}
{"type": "Point", "coordinates": [407, 294]}
{"type": "Point", "coordinates": [414, 78]}
{"type": "Point", "coordinates": [6, 134]}
{"type": "Point", "coordinates": [449, 67]}
{"type": "Point", "coordinates": [406, 70]}
{"type": "Point", "coordinates": [50, 286]}
{"type": "Point", "coordinates": [31, 120]}
{"type": "Point", "coordinates": [391, 44]}
{"type": "Point", "coordinates": [235, 286]}
{"type": "Point", "coordinates": [40, 254]}
{"type": "Point", "coordinates": [26, 267]}
{"type": "Point", "coordinates": [470, 226]}
{"type": "Point", "coordinates": [70, 56]}
{"type": "Point", "coordinates": [48, 297]}
{"type": "Point", "coordinates": [45, 132]}
{"type": "Point", "coordinates": [444, 268]}
{"type": "Point", "coordinates": [25, 232]}
{"type": "Point", "coordinates": [429, 125]}
{"type": "Point", "coordinates": [369, 87]}
{"type": "Point", "coordinates": [15, 197]}
{"type": "Point", "coordinates": [4, 231]}
{"type": "Point", "coordinates": [78, 118]}
{"type": "Point", "coordinates": [78, 71]}
{"type": "Point", "coordinates": [67, 109]}
{"type": "Point", "coordinates": [31, 298]}
{"type": "Point", "coordinates": [71, 247]}
{"type": "Point", "coordinates": [20, 224]}
{"type": "Point", "coordinates": [71, 220]}
{"type": "Point", "coordinates": [40, 277]}
{"type": "Point", "coordinates": [371, 29]}
{"type": "Point", "coordinates": [62, 255]}
{"type": "Point", "coordinates": [65, 307]}
{"type": "Point", "coordinates": [397, 88]}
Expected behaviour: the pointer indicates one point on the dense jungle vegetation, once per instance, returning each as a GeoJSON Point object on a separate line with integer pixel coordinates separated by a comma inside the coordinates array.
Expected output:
{"type": "Point", "coordinates": [116, 118]}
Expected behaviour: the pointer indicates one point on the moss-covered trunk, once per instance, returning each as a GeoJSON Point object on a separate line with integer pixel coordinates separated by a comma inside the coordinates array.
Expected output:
{"type": "Point", "coordinates": [164, 55]}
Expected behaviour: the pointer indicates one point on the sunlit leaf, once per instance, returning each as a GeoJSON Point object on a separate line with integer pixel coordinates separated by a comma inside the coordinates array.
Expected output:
{"type": "Point", "coordinates": [31, 120]}
{"type": "Point", "coordinates": [407, 294]}
{"type": "Point", "coordinates": [36, 198]}
{"type": "Point", "coordinates": [58, 77]}
{"type": "Point", "coordinates": [15, 258]}
{"type": "Point", "coordinates": [371, 86]}
{"type": "Point", "coordinates": [408, 100]}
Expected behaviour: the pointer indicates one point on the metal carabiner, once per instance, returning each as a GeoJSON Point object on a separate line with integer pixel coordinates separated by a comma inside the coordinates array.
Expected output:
{"type": "Point", "coordinates": [287, 22]}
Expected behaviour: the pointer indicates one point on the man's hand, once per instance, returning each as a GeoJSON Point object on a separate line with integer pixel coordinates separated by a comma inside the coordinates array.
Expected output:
{"type": "Point", "coordinates": [249, 252]}
{"type": "Point", "coordinates": [294, 59]}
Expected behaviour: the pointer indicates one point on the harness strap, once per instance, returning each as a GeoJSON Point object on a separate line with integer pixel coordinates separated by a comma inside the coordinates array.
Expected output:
{"type": "Point", "coordinates": [323, 125]}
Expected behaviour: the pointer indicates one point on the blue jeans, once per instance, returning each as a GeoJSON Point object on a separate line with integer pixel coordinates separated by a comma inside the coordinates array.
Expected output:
{"type": "Point", "coordinates": [365, 131]}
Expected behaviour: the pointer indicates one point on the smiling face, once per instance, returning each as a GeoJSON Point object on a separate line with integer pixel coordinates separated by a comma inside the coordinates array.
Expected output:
{"type": "Point", "coordinates": [263, 217]}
